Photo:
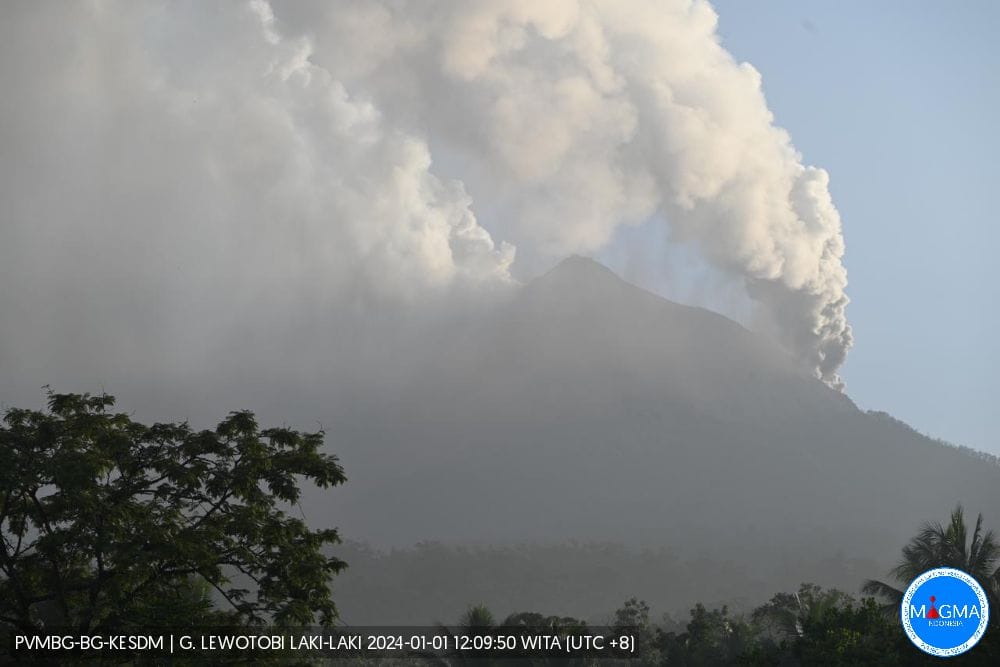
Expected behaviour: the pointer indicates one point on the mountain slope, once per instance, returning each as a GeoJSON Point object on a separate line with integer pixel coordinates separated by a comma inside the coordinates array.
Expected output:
{"type": "Point", "coordinates": [589, 409]}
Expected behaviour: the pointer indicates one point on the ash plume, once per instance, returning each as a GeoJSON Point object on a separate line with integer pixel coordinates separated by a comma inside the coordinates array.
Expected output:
{"type": "Point", "coordinates": [255, 163]}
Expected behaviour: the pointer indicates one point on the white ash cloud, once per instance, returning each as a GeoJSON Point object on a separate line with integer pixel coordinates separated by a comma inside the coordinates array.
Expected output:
{"type": "Point", "coordinates": [167, 166]}
{"type": "Point", "coordinates": [572, 118]}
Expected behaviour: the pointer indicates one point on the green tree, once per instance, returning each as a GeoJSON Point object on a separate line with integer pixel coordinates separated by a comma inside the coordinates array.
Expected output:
{"type": "Point", "coordinates": [106, 522]}
{"type": "Point", "coordinates": [817, 626]}
{"type": "Point", "coordinates": [632, 618]}
{"type": "Point", "coordinates": [951, 545]}
{"type": "Point", "coordinates": [948, 545]}
{"type": "Point", "coordinates": [847, 634]}
{"type": "Point", "coordinates": [713, 637]}
{"type": "Point", "coordinates": [786, 616]}
{"type": "Point", "coordinates": [477, 619]}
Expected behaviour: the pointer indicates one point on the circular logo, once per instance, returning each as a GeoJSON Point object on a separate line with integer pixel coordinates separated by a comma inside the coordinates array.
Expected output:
{"type": "Point", "coordinates": [944, 612]}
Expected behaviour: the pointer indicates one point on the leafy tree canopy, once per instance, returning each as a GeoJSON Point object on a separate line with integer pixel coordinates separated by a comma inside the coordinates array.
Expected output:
{"type": "Point", "coordinates": [105, 521]}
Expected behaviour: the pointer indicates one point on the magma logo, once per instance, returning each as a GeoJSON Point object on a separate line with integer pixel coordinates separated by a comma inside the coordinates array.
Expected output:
{"type": "Point", "coordinates": [944, 612]}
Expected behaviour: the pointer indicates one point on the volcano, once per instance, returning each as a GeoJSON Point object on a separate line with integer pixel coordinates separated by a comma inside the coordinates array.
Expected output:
{"type": "Point", "coordinates": [588, 411]}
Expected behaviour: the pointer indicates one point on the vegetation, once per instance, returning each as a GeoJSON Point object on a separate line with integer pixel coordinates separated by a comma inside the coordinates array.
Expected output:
{"type": "Point", "coordinates": [106, 522]}
{"type": "Point", "coordinates": [948, 545]}
{"type": "Point", "coordinates": [813, 626]}
{"type": "Point", "coordinates": [109, 524]}
{"type": "Point", "coordinates": [817, 626]}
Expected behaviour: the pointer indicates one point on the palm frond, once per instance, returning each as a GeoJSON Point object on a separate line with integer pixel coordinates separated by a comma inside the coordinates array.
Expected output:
{"type": "Point", "coordinates": [984, 553]}
{"type": "Point", "coordinates": [890, 596]}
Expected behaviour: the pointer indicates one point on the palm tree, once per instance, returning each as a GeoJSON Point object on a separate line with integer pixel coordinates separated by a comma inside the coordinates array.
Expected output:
{"type": "Point", "coordinates": [938, 545]}
{"type": "Point", "coordinates": [477, 620]}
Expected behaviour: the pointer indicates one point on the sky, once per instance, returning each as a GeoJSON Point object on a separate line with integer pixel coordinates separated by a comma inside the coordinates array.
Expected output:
{"type": "Point", "coordinates": [198, 195]}
{"type": "Point", "coordinates": [898, 102]}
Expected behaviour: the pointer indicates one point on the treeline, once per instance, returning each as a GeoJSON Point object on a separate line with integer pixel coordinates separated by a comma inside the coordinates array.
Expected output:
{"type": "Point", "coordinates": [109, 525]}
{"type": "Point", "coordinates": [967, 451]}
{"type": "Point", "coordinates": [817, 626]}
{"type": "Point", "coordinates": [811, 626]}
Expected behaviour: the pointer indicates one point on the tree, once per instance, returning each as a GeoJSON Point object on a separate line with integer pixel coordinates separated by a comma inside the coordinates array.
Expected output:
{"type": "Point", "coordinates": [632, 618]}
{"type": "Point", "coordinates": [951, 545]}
{"type": "Point", "coordinates": [477, 619]}
{"type": "Point", "coordinates": [105, 521]}
{"type": "Point", "coordinates": [849, 634]}
{"type": "Point", "coordinates": [786, 616]}
{"type": "Point", "coordinates": [938, 545]}
{"type": "Point", "coordinates": [818, 626]}
{"type": "Point", "coordinates": [713, 637]}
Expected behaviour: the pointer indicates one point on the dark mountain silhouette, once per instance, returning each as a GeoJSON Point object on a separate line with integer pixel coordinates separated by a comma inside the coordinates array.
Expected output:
{"type": "Point", "coordinates": [588, 409]}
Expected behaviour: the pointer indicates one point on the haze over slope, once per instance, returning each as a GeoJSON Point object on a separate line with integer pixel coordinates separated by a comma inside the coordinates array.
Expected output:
{"type": "Point", "coordinates": [322, 211]}
{"type": "Point", "coordinates": [176, 176]}
{"type": "Point", "coordinates": [599, 411]}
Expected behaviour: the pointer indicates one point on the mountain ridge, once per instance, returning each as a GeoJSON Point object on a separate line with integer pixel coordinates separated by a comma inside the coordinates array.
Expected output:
{"type": "Point", "coordinates": [588, 409]}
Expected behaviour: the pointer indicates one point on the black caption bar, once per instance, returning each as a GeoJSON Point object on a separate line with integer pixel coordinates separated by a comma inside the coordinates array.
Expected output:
{"type": "Point", "coordinates": [430, 643]}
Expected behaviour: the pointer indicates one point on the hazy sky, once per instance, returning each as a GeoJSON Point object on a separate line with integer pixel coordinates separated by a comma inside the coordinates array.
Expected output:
{"type": "Point", "coordinates": [195, 193]}
{"type": "Point", "coordinates": [899, 102]}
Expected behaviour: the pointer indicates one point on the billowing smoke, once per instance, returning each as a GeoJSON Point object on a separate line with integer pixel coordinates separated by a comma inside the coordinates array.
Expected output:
{"type": "Point", "coordinates": [164, 166]}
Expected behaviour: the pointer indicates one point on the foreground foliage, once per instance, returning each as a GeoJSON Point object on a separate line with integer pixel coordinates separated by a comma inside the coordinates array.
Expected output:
{"type": "Point", "coordinates": [106, 522]}
{"type": "Point", "coordinates": [946, 545]}
{"type": "Point", "coordinates": [817, 626]}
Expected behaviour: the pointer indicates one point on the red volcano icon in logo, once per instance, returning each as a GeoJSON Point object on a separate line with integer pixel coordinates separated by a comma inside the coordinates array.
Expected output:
{"type": "Point", "coordinates": [933, 613]}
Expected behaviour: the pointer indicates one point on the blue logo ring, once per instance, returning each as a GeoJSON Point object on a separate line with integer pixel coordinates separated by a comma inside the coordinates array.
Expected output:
{"type": "Point", "coordinates": [955, 628]}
